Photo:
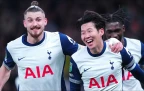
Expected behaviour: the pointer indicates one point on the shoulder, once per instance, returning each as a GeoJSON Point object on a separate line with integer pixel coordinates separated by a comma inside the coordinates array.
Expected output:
{"type": "Point", "coordinates": [80, 52]}
{"type": "Point", "coordinates": [52, 33]}
{"type": "Point", "coordinates": [134, 41]}
{"type": "Point", "coordinates": [65, 38]}
{"type": "Point", "coordinates": [57, 34]}
{"type": "Point", "coordinates": [133, 44]}
{"type": "Point", "coordinates": [14, 43]}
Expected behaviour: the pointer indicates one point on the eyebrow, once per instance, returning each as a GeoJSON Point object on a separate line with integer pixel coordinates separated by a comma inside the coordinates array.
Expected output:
{"type": "Point", "coordinates": [86, 29]}
{"type": "Point", "coordinates": [30, 17]}
{"type": "Point", "coordinates": [113, 29]}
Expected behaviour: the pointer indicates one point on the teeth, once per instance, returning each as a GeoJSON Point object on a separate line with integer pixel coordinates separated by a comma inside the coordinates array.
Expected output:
{"type": "Point", "coordinates": [89, 41]}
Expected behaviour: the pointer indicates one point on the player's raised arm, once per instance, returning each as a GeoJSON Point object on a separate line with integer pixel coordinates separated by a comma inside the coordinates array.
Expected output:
{"type": "Point", "coordinates": [130, 64]}
{"type": "Point", "coordinates": [4, 76]}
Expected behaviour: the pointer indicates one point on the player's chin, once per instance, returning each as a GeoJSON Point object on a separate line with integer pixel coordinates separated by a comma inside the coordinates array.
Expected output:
{"type": "Point", "coordinates": [36, 34]}
{"type": "Point", "coordinates": [90, 46]}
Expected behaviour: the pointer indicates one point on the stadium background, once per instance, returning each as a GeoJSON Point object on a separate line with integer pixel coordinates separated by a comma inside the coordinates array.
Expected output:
{"type": "Point", "coordinates": [62, 16]}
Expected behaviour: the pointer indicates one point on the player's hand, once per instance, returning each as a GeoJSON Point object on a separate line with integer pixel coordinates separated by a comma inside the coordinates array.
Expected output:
{"type": "Point", "coordinates": [116, 48]}
{"type": "Point", "coordinates": [115, 45]}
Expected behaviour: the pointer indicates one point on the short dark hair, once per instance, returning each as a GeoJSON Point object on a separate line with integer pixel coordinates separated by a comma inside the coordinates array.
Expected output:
{"type": "Point", "coordinates": [91, 16]}
{"type": "Point", "coordinates": [118, 16]}
{"type": "Point", "coordinates": [34, 8]}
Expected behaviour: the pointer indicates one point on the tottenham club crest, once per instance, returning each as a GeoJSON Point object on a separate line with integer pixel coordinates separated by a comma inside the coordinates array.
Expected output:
{"type": "Point", "coordinates": [49, 55]}
{"type": "Point", "coordinates": [112, 67]}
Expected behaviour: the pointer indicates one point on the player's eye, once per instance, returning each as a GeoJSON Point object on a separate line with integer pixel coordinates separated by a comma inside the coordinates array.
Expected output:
{"type": "Point", "coordinates": [109, 31]}
{"type": "Point", "coordinates": [29, 20]}
{"type": "Point", "coordinates": [38, 19]}
{"type": "Point", "coordinates": [117, 30]}
{"type": "Point", "coordinates": [89, 30]}
{"type": "Point", "coordinates": [82, 33]}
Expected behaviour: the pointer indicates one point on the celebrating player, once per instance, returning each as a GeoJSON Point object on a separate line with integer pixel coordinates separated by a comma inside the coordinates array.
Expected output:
{"type": "Point", "coordinates": [39, 55]}
{"type": "Point", "coordinates": [95, 65]}
{"type": "Point", "coordinates": [115, 29]}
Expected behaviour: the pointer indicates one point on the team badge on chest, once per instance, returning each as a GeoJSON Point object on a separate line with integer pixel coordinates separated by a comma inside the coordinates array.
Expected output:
{"type": "Point", "coordinates": [49, 55]}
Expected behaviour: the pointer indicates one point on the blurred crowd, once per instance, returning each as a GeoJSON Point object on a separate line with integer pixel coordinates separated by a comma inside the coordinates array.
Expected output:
{"type": "Point", "coordinates": [62, 16]}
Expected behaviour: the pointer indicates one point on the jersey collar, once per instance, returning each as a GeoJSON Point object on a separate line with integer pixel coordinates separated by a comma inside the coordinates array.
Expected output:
{"type": "Point", "coordinates": [96, 55]}
{"type": "Point", "coordinates": [24, 40]}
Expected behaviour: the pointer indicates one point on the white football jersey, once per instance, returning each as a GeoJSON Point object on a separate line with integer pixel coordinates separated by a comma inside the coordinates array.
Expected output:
{"type": "Point", "coordinates": [137, 50]}
{"type": "Point", "coordinates": [40, 65]}
{"type": "Point", "coordinates": [98, 72]}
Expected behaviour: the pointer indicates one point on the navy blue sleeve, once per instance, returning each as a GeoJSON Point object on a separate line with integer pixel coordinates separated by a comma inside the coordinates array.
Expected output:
{"type": "Point", "coordinates": [74, 77]}
{"type": "Point", "coordinates": [142, 54]}
{"type": "Point", "coordinates": [8, 61]}
{"type": "Point", "coordinates": [130, 64]}
{"type": "Point", "coordinates": [69, 46]}
{"type": "Point", "coordinates": [138, 73]}
{"type": "Point", "coordinates": [127, 58]}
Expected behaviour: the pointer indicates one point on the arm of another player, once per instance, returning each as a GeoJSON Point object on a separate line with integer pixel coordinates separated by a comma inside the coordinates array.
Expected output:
{"type": "Point", "coordinates": [142, 56]}
{"type": "Point", "coordinates": [4, 76]}
{"type": "Point", "coordinates": [115, 45]}
{"type": "Point", "coordinates": [131, 65]}
{"type": "Point", "coordinates": [74, 77]}
{"type": "Point", "coordinates": [69, 46]}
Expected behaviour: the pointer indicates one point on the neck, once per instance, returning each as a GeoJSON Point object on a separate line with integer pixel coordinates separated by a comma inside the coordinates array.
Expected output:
{"type": "Point", "coordinates": [122, 40]}
{"type": "Point", "coordinates": [98, 48]}
{"type": "Point", "coordinates": [33, 40]}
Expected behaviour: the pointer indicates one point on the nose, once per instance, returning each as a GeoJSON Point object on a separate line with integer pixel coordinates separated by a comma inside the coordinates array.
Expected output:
{"type": "Point", "coordinates": [34, 23]}
{"type": "Point", "coordinates": [87, 35]}
{"type": "Point", "coordinates": [114, 35]}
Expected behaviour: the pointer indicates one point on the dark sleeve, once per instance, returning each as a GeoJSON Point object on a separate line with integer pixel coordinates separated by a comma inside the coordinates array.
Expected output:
{"type": "Point", "coordinates": [8, 60]}
{"type": "Point", "coordinates": [69, 46]}
{"type": "Point", "coordinates": [130, 64]}
{"type": "Point", "coordinates": [74, 77]}
{"type": "Point", "coordinates": [138, 73]}
{"type": "Point", "coordinates": [142, 54]}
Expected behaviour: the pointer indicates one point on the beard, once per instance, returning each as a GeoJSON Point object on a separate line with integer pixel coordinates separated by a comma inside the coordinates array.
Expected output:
{"type": "Point", "coordinates": [35, 34]}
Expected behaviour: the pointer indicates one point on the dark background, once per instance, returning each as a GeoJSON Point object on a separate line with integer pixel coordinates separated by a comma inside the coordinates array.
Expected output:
{"type": "Point", "coordinates": [62, 16]}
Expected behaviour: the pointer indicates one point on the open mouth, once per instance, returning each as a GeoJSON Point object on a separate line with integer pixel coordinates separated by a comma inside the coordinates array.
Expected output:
{"type": "Point", "coordinates": [36, 28]}
{"type": "Point", "coordinates": [89, 42]}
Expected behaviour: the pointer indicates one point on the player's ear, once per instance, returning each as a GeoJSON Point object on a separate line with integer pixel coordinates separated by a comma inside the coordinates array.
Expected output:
{"type": "Point", "coordinates": [123, 28]}
{"type": "Point", "coordinates": [101, 31]}
{"type": "Point", "coordinates": [46, 21]}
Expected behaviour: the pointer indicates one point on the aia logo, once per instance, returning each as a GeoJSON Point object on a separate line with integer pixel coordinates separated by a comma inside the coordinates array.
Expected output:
{"type": "Point", "coordinates": [127, 75]}
{"type": "Point", "coordinates": [49, 55]}
{"type": "Point", "coordinates": [102, 82]}
{"type": "Point", "coordinates": [38, 72]}
{"type": "Point", "coordinates": [112, 67]}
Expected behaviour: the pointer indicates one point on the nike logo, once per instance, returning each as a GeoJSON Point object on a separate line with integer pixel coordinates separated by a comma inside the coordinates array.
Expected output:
{"type": "Point", "coordinates": [86, 69]}
{"type": "Point", "coordinates": [20, 58]}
